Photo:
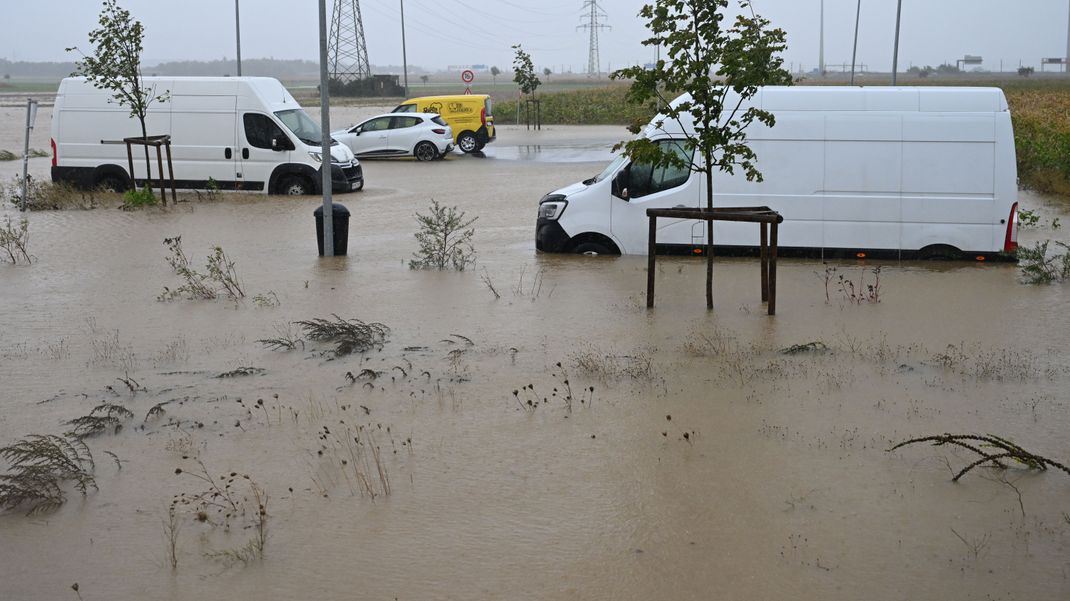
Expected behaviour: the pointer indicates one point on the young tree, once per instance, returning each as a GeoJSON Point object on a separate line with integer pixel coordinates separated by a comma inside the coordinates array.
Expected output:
{"type": "Point", "coordinates": [424, 78]}
{"type": "Point", "coordinates": [115, 66]}
{"type": "Point", "coordinates": [718, 67]}
{"type": "Point", "coordinates": [494, 73]}
{"type": "Point", "coordinates": [547, 72]}
{"type": "Point", "coordinates": [524, 72]}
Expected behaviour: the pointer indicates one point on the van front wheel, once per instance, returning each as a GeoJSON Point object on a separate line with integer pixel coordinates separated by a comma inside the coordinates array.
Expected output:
{"type": "Point", "coordinates": [592, 248]}
{"type": "Point", "coordinates": [294, 185]}
{"type": "Point", "coordinates": [467, 142]}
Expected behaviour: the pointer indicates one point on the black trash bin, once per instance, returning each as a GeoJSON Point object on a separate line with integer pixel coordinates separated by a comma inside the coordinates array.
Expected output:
{"type": "Point", "coordinates": [341, 229]}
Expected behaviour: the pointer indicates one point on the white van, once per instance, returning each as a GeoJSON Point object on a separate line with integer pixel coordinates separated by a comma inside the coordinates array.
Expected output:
{"type": "Point", "coordinates": [902, 172]}
{"type": "Point", "coordinates": [242, 133]}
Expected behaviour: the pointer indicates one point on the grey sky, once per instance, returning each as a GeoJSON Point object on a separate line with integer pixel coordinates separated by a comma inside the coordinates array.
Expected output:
{"type": "Point", "coordinates": [452, 32]}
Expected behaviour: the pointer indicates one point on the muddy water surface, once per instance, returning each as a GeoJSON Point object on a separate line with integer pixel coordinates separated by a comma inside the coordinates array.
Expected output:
{"type": "Point", "coordinates": [704, 464]}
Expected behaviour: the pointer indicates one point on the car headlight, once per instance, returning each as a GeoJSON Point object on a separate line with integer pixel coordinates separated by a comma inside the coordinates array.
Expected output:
{"type": "Point", "coordinates": [316, 156]}
{"type": "Point", "coordinates": [551, 209]}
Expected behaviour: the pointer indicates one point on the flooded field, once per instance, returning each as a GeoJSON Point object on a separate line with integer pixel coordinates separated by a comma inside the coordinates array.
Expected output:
{"type": "Point", "coordinates": [558, 442]}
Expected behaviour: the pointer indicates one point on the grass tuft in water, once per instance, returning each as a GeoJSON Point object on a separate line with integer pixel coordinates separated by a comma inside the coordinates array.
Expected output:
{"type": "Point", "coordinates": [1040, 267]}
{"type": "Point", "coordinates": [103, 417]}
{"type": "Point", "coordinates": [996, 449]}
{"type": "Point", "coordinates": [39, 467]}
{"type": "Point", "coordinates": [348, 335]}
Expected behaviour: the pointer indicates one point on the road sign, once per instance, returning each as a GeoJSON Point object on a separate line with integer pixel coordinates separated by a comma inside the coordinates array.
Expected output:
{"type": "Point", "coordinates": [468, 76]}
{"type": "Point", "coordinates": [970, 59]}
{"type": "Point", "coordinates": [1052, 61]}
{"type": "Point", "coordinates": [468, 91]}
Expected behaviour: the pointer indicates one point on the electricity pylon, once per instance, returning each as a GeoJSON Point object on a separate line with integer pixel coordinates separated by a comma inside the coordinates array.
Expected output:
{"type": "Point", "coordinates": [594, 15]}
{"type": "Point", "coordinates": [347, 52]}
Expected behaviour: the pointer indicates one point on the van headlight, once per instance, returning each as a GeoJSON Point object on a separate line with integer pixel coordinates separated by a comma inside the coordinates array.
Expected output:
{"type": "Point", "coordinates": [316, 156]}
{"type": "Point", "coordinates": [551, 209]}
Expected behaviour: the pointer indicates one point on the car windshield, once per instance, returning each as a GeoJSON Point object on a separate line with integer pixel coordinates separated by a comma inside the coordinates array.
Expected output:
{"type": "Point", "coordinates": [612, 168]}
{"type": "Point", "coordinates": [302, 126]}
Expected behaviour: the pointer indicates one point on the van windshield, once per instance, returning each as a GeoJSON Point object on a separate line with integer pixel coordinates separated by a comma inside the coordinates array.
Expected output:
{"type": "Point", "coordinates": [608, 171]}
{"type": "Point", "coordinates": [302, 126]}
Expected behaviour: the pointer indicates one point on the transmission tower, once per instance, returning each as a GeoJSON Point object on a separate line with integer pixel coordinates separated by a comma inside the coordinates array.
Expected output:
{"type": "Point", "coordinates": [594, 15]}
{"type": "Point", "coordinates": [347, 53]}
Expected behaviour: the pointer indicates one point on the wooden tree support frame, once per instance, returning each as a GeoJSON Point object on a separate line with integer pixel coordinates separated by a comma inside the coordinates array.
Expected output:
{"type": "Point", "coordinates": [767, 219]}
{"type": "Point", "coordinates": [156, 142]}
{"type": "Point", "coordinates": [528, 106]}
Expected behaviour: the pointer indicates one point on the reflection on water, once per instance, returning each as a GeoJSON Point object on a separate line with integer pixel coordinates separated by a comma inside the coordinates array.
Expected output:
{"type": "Point", "coordinates": [703, 459]}
{"type": "Point", "coordinates": [590, 153]}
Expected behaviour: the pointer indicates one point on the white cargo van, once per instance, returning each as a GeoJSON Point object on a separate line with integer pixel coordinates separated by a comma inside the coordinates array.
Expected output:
{"type": "Point", "coordinates": [903, 172]}
{"type": "Point", "coordinates": [242, 133]}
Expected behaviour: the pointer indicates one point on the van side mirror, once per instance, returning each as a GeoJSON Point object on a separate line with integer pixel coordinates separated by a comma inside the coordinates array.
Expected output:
{"type": "Point", "coordinates": [280, 143]}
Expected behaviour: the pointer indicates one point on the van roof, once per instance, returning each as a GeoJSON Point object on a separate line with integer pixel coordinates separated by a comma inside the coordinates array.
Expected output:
{"type": "Point", "coordinates": [268, 89]}
{"type": "Point", "coordinates": [446, 97]}
{"type": "Point", "coordinates": [895, 99]}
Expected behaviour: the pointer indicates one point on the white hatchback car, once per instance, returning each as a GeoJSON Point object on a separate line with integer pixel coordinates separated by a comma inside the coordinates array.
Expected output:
{"type": "Point", "coordinates": [422, 135]}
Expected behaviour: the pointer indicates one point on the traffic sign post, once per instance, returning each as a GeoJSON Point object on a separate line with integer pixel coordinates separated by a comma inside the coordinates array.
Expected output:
{"type": "Point", "coordinates": [468, 76]}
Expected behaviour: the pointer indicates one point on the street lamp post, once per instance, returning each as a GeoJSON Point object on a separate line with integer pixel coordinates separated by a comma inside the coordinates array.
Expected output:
{"type": "Point", "coordinates": [404, 57]}
{"type": "Point", "coordinates": [237, 33]}
{"type": "Point", "coordinates": [854, 53]}
{"type": "Point", "coordinates": [895, 53]}
{"type": "Point", "coordinates": [325, 131]}
{"type": "Point", "coordinates": [821, 50]}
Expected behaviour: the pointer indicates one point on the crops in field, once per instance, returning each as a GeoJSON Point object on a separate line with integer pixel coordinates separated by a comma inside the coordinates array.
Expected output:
{"type": "Point", "coordinates": [1041, 116]}
{"type": "Point", "coordinates": [591, 106]}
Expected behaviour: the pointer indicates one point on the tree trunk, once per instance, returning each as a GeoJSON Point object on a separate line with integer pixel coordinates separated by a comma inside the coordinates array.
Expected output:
{"type": "Point", "coordinates": [148, 161]}
{"type": "Point", "coordinates": [709, 232]}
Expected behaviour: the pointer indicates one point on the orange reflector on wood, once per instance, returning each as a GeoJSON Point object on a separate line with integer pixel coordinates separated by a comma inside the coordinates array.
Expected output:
{"type": "Point", "coordinates": [860, 255]}
{"type": "Point", "coordinates": [697, 251]}
{"type": "Point", "coordinates": [980, 258]}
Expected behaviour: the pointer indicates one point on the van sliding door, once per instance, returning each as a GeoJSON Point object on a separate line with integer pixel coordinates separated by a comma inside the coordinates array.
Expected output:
{"type": "Point", "coordinates": [203, 134]}
{"type": "Point", "coordinates": [862, 200]}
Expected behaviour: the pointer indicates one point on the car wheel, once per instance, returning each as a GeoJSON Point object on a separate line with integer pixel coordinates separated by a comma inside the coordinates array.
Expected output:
{"type": "Point", "coordinates": [425, 151]}
{"type": "Point", "coordinates": [592, 248]}
{"type": "Point", "coordinates": [294, 185]}
{"type": "Point", "coordinates": [467, 142]}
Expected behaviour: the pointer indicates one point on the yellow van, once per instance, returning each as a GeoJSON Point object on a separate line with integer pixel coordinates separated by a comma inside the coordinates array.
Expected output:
{"type": "Point", "coordinates": [468, 114]}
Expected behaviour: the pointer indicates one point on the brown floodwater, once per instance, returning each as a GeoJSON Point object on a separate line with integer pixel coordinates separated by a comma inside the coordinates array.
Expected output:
{"type": "Point", "coordinates": [704, 464]}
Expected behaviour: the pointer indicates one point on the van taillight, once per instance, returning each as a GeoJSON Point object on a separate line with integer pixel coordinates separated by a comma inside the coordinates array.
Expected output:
{"type": "Point", "coordinates": [483, 116]}
{"type": "Point", "coordinates": [54, 157]}
{"type": "Point", "coordinates": [1010, 243]}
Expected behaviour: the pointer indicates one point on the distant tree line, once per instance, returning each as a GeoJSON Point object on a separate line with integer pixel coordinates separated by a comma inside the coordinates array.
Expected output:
{"type": "Point", "coordinates": [262, 67]}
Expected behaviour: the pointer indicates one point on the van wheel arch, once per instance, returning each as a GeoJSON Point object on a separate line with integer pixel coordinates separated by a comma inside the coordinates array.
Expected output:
{"type": "Point", "coordinates": [939, 251]}
{"type": "Point", "coordinates": [592, 242]}
{"type": "Point", "coordinates": [283, 172]}
{"type": "Point", "coordinates": [112, 177]}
